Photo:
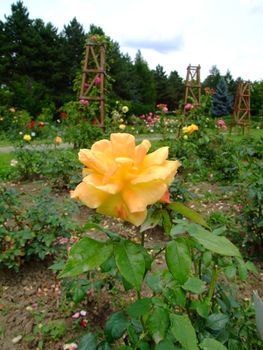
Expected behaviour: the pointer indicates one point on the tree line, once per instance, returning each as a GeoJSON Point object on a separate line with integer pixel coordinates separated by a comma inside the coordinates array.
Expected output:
{"type": "Point", "coordinates": [38, 66]}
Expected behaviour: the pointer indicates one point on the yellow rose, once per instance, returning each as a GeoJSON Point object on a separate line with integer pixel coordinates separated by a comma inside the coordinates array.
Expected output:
{"type": "Point", "coordinates": [27, 137]}
{"type": "Point", "coordinates": [121, 179]}
{"type": "Point", "coordinates": [58, 140]}
{"type": "Point", "coordinates": [122, 126]}
{"type": "Point", "coordinates": [125, 109]}
{"type": "Point", "coordinates": [190, 129]}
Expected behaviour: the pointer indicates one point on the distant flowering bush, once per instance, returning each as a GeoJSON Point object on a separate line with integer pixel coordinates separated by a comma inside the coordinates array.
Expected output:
{"type": "Point", "coordinates": [188, 107]}
{"type": "Point", "coordinates": [121, 180]}
{"type": "Point", "coordinates": [221, 124]}
{"type": "Point", "coordinates": [97, 81]}
{"type": "Point", "coordinates": [84, 102]}
{"type": "Point", "coordinates": [162, 107]}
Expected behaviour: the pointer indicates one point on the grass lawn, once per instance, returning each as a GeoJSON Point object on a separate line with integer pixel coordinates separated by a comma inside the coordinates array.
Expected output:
{"type": "Point", "coordinates": [5, 166]}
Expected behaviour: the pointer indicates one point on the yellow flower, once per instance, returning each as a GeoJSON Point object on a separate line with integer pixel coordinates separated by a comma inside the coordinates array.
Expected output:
{"type": "Point", "coordinates": [125, 109]}
{"type": "Point", "coordinates": [58, 140]}
{"type": "Point", "coordinates": [12, 109]}
{"type": "Point", "coordinates": [122, 126]}
{"type": "Point", "coordinates": [27, 137]}
{"type": "Point", "coordinates": [190, 129]}
{"type": "Point", "coordinates": [121, 179]}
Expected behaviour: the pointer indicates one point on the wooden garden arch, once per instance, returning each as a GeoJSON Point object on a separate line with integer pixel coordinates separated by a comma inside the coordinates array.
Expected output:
{"type": "Point", "coordinates": [241, 111]}
{"type": "Point", "coordinates": [93, 79]}
{"type": "Point", "coordinates": [193, 85]}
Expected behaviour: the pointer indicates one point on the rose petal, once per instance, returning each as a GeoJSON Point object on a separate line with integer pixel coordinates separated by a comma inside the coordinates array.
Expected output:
{"type": "Point", "coordinates": [89, 195]}
{"type": "Point", "coordinates": [139, 196]}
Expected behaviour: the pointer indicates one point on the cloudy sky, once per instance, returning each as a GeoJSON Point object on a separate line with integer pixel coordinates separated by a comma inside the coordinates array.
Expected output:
{"type": "Point", "coordinates": [172, 33]}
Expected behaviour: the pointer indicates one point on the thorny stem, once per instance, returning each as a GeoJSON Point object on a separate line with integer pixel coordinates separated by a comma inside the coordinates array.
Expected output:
{"type": "Point", "coordinates": [213, 284]}
{"type": "Point", "coordinates": [142, 238]}
{"type": "Point", "coordinates": [159, 252]}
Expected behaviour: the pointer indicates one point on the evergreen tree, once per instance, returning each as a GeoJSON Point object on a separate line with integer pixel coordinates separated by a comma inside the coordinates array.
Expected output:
{"type": "Point", "coordinates": [256, 95]}
{"type": "Point", "coordinates": [212, 79]}
{"type": "Point", "coordinates": [17, 46]}
{"type": "Point", "coordinates": [161, 84]}
{"type": "Point", "coordinates": [145, 86]}
{"type": "Point", "coordinates": [221, 100]}
{"type": "Point", "coordinates": [175, 90]}
{"type": "Point", "coordinates": [73, 46]}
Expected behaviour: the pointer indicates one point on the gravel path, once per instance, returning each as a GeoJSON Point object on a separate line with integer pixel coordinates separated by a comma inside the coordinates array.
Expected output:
{"type": "Point", "coordinates": [8, 149]}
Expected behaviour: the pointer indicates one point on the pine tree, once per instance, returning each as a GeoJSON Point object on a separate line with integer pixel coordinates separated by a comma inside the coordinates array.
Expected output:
{"type": "Point", "coordinates": [175, 90]}
{"type": "Point", "coordinates": [73, 40]}
{"type": "Point", "coordinates": [161, 84]}
{"type": "Point", "coordinates": [213, 78]}
{"type": "Point", "coordinates": [221, 101]}
{"type": "Point", "coordinates": [145, 85]}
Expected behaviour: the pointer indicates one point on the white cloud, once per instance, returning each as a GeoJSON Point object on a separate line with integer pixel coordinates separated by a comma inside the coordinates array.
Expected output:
{"type": "Point", "coordinates": [172, 33]}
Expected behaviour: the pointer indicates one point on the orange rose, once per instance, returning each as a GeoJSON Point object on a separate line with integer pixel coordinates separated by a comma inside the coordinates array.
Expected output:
{"type": "Point", "coordinates": [121, 180]}
{"type": "Point", "coordinates": [58, 140]}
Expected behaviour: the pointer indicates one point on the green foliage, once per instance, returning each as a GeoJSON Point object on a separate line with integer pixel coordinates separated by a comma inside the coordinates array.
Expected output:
{"type": "Point", "coordinates": [189, 306]}
{"type": "Point", "coordinates": [79, 121]}
{"type": "Point", "coordinates": [59, 167]}
{"type": "Point", "coordinates": [251, 213]}
{"type": "Point", "coordinates": [222, 101]}
{"type": "Point", "coordinates": [31, 230]}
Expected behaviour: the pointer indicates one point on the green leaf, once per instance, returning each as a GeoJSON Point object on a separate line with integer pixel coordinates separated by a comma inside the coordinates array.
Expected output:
{"type": "Point", "coordinates": [188, 213]}
{"type": "Point", "coordinates": [166, 221]}
{"type": "Point", "coordinates": [86, 255]}
{"type": "Point", "coordinates": [152, 220]}
{"type": "Point", "coordinates": [140, 307]}
{"type": "Point", "coordinates": [194, 285]}
{"type": "Point", "coordinates": [183, 331]}
{"type": "Point", "coordinates": [217, 244]}
{"type": "Point", "coordinates": [242, 269]}
{"type": "Point", "coordinates": [259, 312]}
{"type": "Point", "coordinates": [104, 346]}
{"type": "Point", "coordinates": [219, 231]}
{"type": "Point", "coordinates": [130, 262]}
{"type": "Point", "coordinates": [158, 324]}
{"type": "Point", "coordinates": [252, 267]}
{"type": "Point", "coordinates": [165, 345]}
{"type": "Point", "coordinates": [230, 271]}
{"type": "Point", "coordinates": [218, 321]}
{"type": "Point", "coordinates": [112, 235]}
{"type": "Point", "coordinates": [211, 344]}
{"type": "Point", "coordinates": [88, 342]}
{"type": "Point", "coordinates": [143, 345]}
{"type": "Point", "coordinates": [201, 307]}
{"type": "Point", "coordinates": [115, 326]}
{"type": "Point", "coordinates": [178, 259]}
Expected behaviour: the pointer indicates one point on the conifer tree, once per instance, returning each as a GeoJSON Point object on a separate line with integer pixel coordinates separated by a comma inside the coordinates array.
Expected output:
{"type": "Point", "coordinates": [221, 101]}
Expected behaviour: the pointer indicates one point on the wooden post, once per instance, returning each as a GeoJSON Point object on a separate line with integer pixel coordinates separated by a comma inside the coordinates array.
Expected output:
{"type": "Point", "coordinates": [193, 85]}
{"type": "Point", "coordinates": [93, 79]}
{"type": "Point", "coordinates": [241, 111]}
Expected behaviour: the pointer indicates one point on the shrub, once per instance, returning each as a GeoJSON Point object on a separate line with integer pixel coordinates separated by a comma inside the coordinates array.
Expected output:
{"type": "Point", "coordinates": [251, 214]}
{"type": "Point", "coordinates": [30, 225]}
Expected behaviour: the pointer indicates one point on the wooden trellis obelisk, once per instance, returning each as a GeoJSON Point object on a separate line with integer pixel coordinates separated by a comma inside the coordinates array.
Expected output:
{"type": "Point", "coordinates": [241, 111]}
{"type": "Point", "coordinates": [93, 79]}
{"type": "Point", "coordinates": [193, 85]}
